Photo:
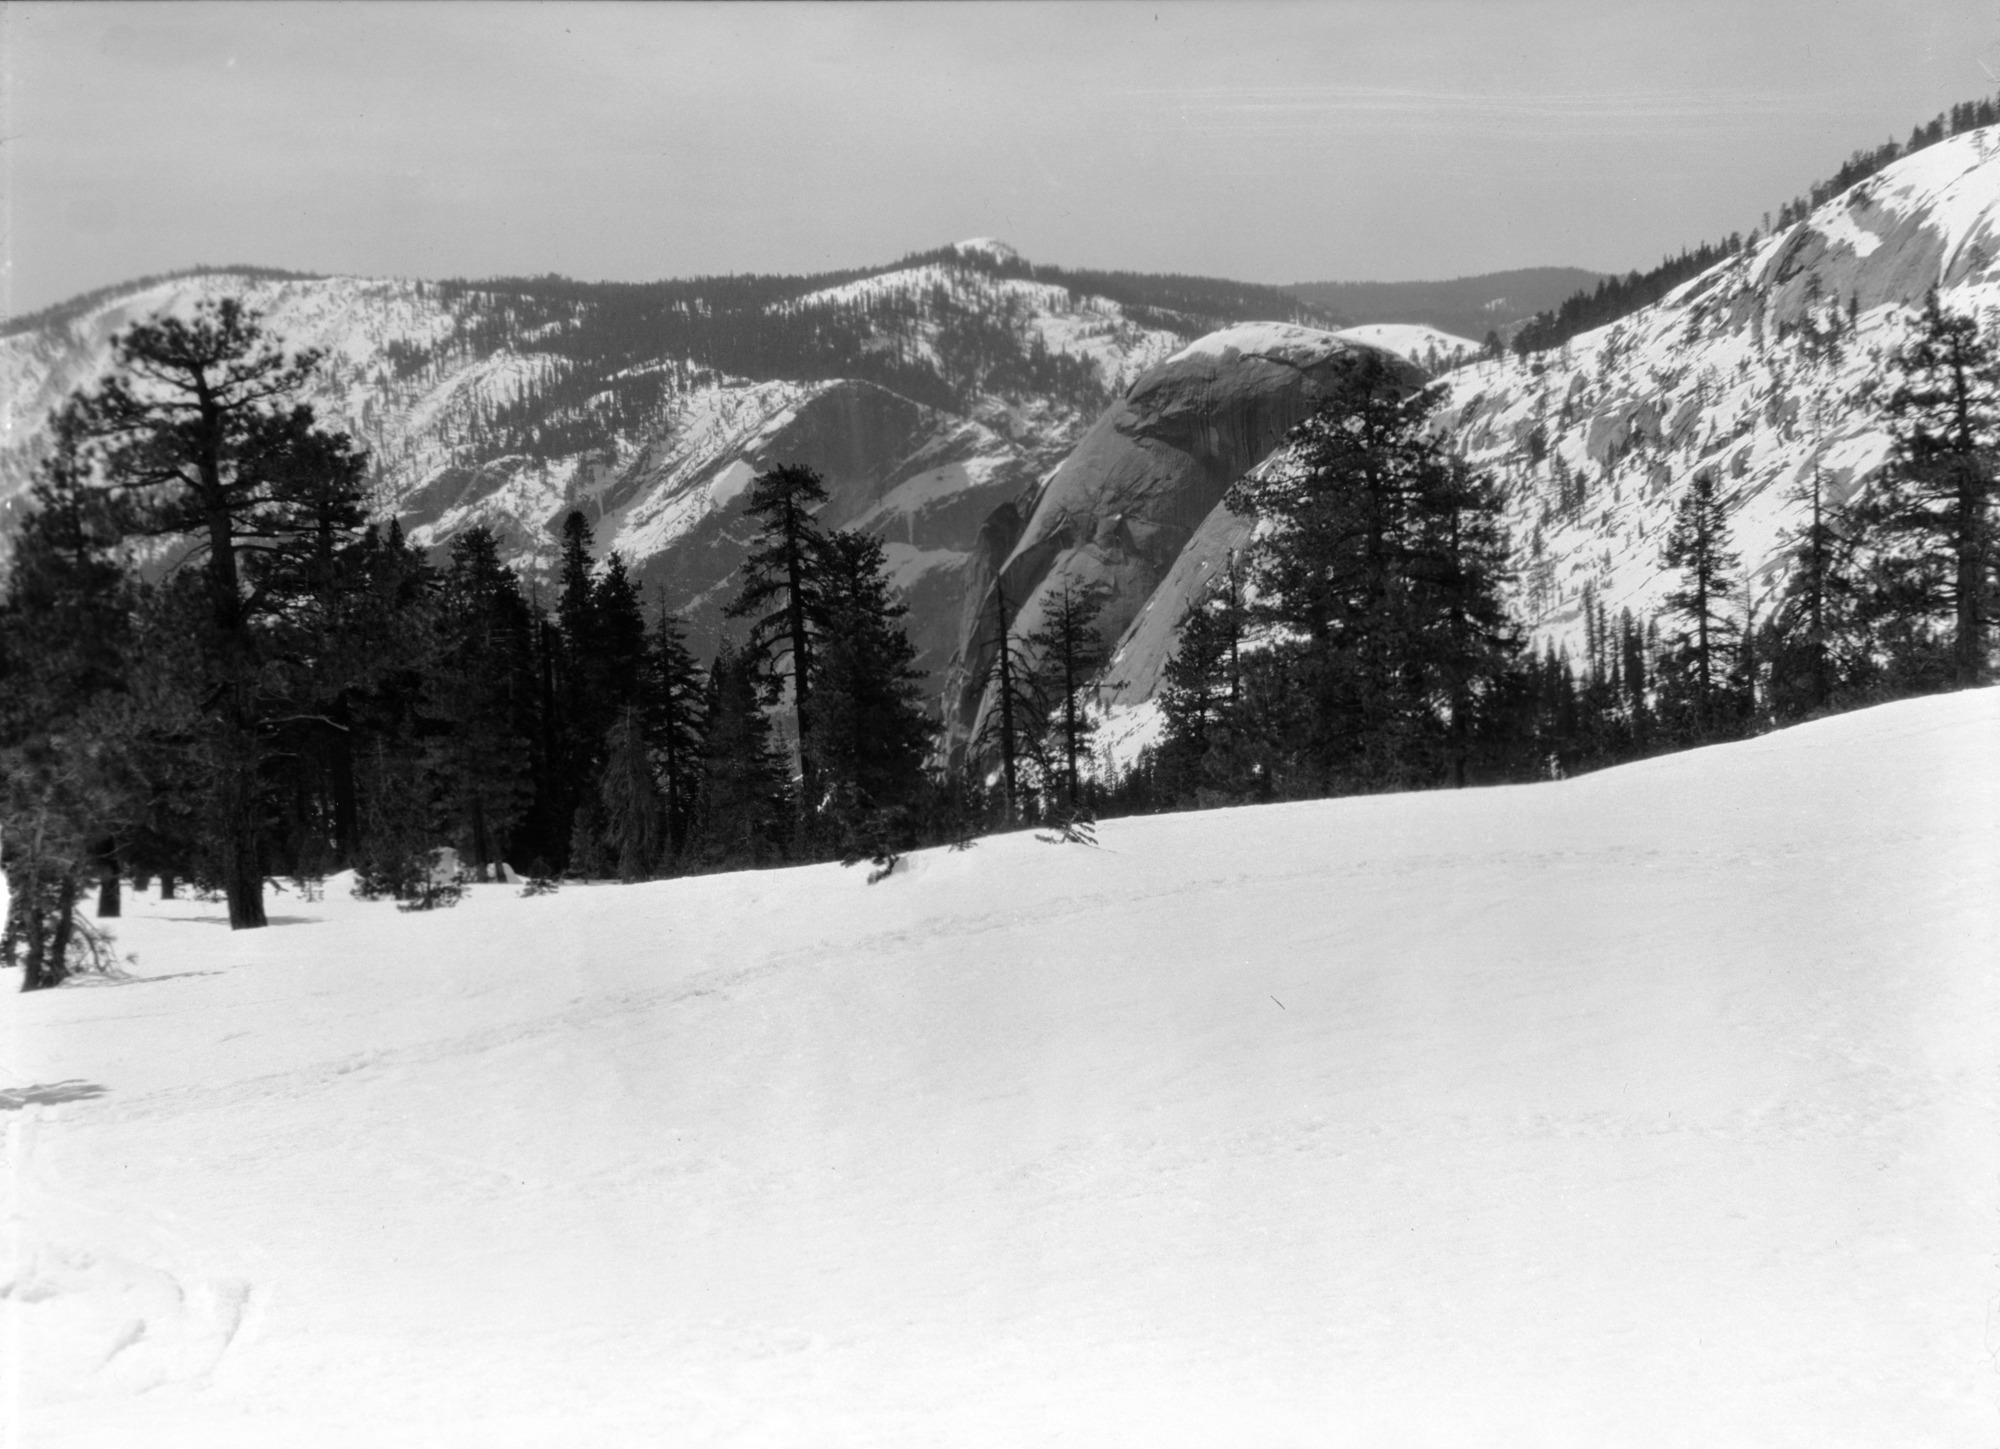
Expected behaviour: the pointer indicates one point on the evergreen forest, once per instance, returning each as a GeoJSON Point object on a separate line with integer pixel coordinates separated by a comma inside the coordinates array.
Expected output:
{"type": "Point", "coordinates": [218, 673]}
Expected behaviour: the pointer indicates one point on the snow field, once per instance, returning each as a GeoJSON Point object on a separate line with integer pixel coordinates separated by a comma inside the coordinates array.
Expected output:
{"type": "Point", "coordinates": [1652, 1108]}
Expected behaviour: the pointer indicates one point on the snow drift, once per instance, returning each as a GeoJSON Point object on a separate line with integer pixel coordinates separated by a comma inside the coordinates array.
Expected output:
{"type": "Point", "coordinates": [1652, 1108]}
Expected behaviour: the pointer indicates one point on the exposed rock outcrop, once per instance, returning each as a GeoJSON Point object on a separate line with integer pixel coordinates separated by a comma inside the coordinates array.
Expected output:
{"type": "Point", "coordinates": [1145, 484]}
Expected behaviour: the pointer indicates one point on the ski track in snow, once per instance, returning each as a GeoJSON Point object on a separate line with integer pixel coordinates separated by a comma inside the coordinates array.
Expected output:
{"type": "Point", "coordinates": [1652, 1108]}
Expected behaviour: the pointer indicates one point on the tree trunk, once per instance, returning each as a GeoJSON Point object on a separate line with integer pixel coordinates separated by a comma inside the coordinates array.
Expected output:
{"type": "Point", "coordinates": [56, 968]}
{"type": "Point", "coordinates": [1969, 645]}
{"type": "Point", "coordinates": [168, 886]}
{"type": "Point", "coordinates": [10, 931]}
{"type": "Point", "coordinates": [482, 848]}
{"type": "Point", "coordinates": [242, 863]}
{"type": "Point", "coordinates": [110, 901]}
{"type": "Point", "coordinates": [346, 807]}
{"type": "Point", "coordinates": [47, 933]}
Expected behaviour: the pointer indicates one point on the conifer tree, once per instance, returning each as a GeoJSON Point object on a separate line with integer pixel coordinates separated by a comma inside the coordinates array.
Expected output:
{"type": "Point", "coordinates": [1379, 557]}
{"type": "Point", "coordinates": [1463, 640]}
{"type": "Point", "coordinates": [674, 705]}
{"type": "Point", "coordinates": [634, 818]}
{"type": "Point", "coordinates": [870, 733]}
{"type": "Point", "coordinates": [1201, 696]}
{"type": "Point", "coordinates": [1007, 735]}
{"type": "Point", "coordinates": [744, 800]}
{"type": "Point", "coordinates": [198, 424]}
{"type": "Point", "coordinates": [783, 579]}
{"type": "Point", "coordinates": [582, 713]}
{"type": "Point", "coordinates": [482, 694]}
{"type": "Point", "coordinates": [1694, 676]}
{"type": "Point", "coordinates": [1815, 643]}
{"type": "Point", "coordinates": [1069, 652]}
{"type": "Point", "coordinates": [1930, 517]}
{"type": "Point", "coordinates": [64, 709]}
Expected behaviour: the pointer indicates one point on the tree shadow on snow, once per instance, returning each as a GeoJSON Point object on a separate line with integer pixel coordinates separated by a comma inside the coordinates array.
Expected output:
{"type": "Point", "coordinates": [224, 920]}
{"type": "Point", "coordinates": [48, 1094]}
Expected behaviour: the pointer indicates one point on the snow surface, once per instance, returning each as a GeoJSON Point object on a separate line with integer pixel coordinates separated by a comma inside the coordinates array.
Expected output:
{"type": "Point", "coordinates": [1413, 340]}
{"type": "Point", "coordinates": [986, 246]}
{"type": "Point", "coordinates": [1719, 377]}
{"type": "Point", "coordinates": [1286, 341]}
{"type": "Point", "coordinates": [1652, 1108]}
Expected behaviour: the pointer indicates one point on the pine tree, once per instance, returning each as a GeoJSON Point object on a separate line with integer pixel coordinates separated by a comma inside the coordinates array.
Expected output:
{"type": "Point", "coordinates": [634, 817]}
{"type": "Point", "coordinates": [1069, 652]}
{"type": "Point", "coordinates": [582, 713]}
{"type": "Point", "coordinates": [1931, 514]}
{"type": "Point", "coordinates": [1815, 643]}
{"type": "Point", "coordinates": [870, 733]}
{"type": "Point", "coordinates": [481, 691]}
{"type": "Point", "coordinates": [744, 801]}
{"type": "Point", "coordinates": [1201, 696]}
{"type": "Point", "coordinates": [1694, 677]}
{"type": "Point", "coordinates": [197, 424]}
{"type": "Point", "coordinates": [1463, 641]}
{"type": "Point", "coordinates": [1006, 735]}
{"type": "Point", "coordinates": [619, 664]}
{"type": "Point", "coordinates": [1380, 557]}
{"type": "Point", "coordinates": [783, 578]}
{"type": "Point", "coordinates": [65, 717]}
{"type": "Point", "coordinates": [674, 706]}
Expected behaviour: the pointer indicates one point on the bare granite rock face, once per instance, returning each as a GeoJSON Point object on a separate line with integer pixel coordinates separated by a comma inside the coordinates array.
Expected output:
{"type": "Point", "coordinates": [921, 479]}
{"type": "Point", "coordinates": [1142, 489]}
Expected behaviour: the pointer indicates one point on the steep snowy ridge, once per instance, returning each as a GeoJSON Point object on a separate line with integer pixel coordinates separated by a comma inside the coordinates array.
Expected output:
{"type": "Point", "coordinates": [1668, 1093]}
{"type": "Point", "coordinates": [1764, 369]}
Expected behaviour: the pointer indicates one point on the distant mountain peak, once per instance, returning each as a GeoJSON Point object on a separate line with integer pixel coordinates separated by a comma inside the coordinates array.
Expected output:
{"type": "Point", "coordinates": [986, 246]}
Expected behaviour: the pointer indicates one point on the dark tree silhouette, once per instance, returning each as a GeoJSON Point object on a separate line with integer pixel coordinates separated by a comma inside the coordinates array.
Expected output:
{"type": "Point", "coordinates": [198, 425]}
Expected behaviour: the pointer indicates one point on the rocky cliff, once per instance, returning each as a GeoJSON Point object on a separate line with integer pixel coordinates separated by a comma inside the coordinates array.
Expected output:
{"type": "Point", "coordinates": [1138, 503]}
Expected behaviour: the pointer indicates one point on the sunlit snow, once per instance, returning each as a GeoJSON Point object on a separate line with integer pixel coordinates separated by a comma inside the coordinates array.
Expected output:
{"type": "Point", "coordinates": [1658, 1107]}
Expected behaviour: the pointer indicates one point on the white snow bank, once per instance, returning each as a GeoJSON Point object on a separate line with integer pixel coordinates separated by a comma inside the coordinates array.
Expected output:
{"type": "Point", "coordinates": [1653, 1108]}
{"type": "Point", "coordinates": [1412, 340]}
{"type": "Point", "coordinates": [1282, 340]}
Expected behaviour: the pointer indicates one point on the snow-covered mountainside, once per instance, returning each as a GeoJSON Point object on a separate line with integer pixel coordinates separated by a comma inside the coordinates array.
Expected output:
{"type": "Point", "coordinates": [1654, 1108]}
{"type": "Point", "coordinates": [1763, 369]}
{"type": "Point", "coordinates": [928, 394]}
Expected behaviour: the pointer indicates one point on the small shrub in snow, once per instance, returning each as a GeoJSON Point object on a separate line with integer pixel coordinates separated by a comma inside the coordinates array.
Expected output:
{"type": "Point", "coordinates": [540, 885]}
{"type": "Point", "coordinates": [92, 952]}
{"type": "Point", "coordinates": [1074, 829]}
{"type": "Point", "coordinates": [433, 895]}
{"type": "Point", "coordinates": [884, 860]}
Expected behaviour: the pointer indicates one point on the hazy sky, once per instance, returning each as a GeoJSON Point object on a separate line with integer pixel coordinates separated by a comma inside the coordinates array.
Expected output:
{"type": "Point", "coordinates": [1358, 139]}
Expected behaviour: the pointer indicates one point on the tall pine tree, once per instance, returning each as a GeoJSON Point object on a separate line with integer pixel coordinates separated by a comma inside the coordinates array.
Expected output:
{"type": "Point", "coordinates": [1930, 516]}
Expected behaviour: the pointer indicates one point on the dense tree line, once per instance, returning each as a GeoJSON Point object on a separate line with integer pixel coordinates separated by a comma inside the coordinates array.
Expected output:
{"type": "Point", "coordinates": [1616, 297]}
{"type": "Point", "coordinates": [216, 671]}
{"type": "Point", "coordinates": [1361, 643]}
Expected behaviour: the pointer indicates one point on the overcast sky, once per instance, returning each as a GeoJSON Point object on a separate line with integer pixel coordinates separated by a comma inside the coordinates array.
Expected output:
{"type": "Point", "coordinates": [1354, 140]}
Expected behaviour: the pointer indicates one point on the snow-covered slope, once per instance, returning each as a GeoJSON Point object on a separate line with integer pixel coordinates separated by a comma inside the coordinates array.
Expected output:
{"type": "Point", "coordinates": [1430, 349]}
{"type": "Point", "coordinates": [1763, 368]}
{"type": "Point", "coordinates": [1655, 1108]}
{"type": "Point", "coordinates": [509, 404]}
